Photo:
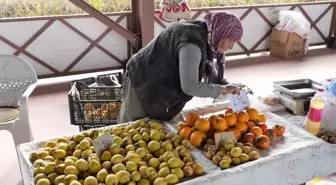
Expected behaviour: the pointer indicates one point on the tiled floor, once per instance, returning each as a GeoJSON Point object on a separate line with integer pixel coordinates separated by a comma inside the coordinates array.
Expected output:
{"type": "Point", "coordinates": [49, 113]}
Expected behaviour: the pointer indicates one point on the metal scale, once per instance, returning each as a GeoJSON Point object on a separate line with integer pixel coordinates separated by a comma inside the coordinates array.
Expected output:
{"type": "Point", "coordinates": [295, 95]}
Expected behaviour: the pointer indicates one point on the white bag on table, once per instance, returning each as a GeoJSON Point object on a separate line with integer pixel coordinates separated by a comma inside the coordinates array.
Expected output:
{"type": "Point", "coordinates": [328, 121]}
{"type": "Point", "coordinates": [174, 10]}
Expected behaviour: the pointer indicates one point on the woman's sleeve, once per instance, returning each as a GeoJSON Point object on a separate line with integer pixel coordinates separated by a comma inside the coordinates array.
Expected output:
{"type": "Point", "coordinates": [221, 79]}
{"type": "Point", "coordinates": [189, 62]}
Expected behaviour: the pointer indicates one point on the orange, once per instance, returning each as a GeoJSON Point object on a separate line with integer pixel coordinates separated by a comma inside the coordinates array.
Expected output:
{"type": "Point", "coordinates": [212, 119]}
{"type": "Point", "coordinates": [236, 131]}
{"type": "Point", "coordinates": [197, 138]}
{"type": "Point", "coordinates": [253, 113]}
{"type": "Point", "coordinates": [279, 130]}
{"type": "Point", "coordinates": [241, 126]}
{"type": "Point", "coordinates": [262, 141]}
{"type": "Point", "coordinates": [230, 119]}
{"type": "Point", "coordinates": [228, 111]}
{"type": "Point", "coordinates": [221, 115]}
{"type": "Point", "coordinates": [180, 126]}
{"type": "Point", "coordinates": [248, 138]}
{"type": "Point", "coordinates": [185, 132]}
{"type": "Point", "coordinates": [262, 118]}
{"type": "Point", "coordinates": [270, 133]}
{"type": "Point", "coordinates": [202, 124]}
{"type": "Point", "coordinates": [250, 124]}
{"type": "Point", "coordinates": [220, 125]}
{"type": "Point", "coordinates": [191, 119]}
{"type": "Point", "coordinates": [242, 117]}
{"type": "Point", "coordinates": [256, 131]}
{"type": "Point", "coordinates": [263, 126]}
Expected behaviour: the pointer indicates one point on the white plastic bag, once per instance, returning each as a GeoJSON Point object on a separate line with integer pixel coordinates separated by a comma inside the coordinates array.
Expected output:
{"type": "Point", "coordinates": [174, 9]}
{"type": "Point", "coordinates": [328, 121]}
{"type": "Point", "coordinates": [292, 21]}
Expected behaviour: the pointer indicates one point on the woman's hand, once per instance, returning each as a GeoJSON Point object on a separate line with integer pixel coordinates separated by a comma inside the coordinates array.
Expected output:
{"type": "Point", "coordinates": [231, 89]}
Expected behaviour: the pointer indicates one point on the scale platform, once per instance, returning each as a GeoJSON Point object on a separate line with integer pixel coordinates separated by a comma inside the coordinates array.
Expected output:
{"type": "Point", "coordinates": [295, 95]}
{"type": "Point", "coordinates": [297, 106]}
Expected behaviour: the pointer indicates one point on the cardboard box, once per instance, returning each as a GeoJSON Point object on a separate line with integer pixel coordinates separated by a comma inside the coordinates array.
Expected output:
{"type": "Point", "coordinates": [286, 45]}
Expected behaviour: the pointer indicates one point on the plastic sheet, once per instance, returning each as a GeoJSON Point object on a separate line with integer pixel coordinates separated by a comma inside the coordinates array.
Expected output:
{"type": "Point", "coordinates": [296, 158]}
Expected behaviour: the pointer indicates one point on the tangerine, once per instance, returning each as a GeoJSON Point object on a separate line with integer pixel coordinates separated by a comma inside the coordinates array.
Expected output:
{"type": "Point", "coordinates": [228, 111]}
{"type": "Point", "coordinates": [220, 125]}
{"type": "Point", "coordinates": [262, 141]}
{"type": "Point", "coordinates": [211, 119]}
{"type": "Point", "coordinates": [197, 138]}
{"type": "Point", "coordinates": [202, 124]}
{"type": "Point", "coordinates": [242, 117]}
{"type": "Point", "coordinates": [279, 129]}
{"type": "Point", "coordinates": [237, 132]}
{"type": "Point", "coordinates": [270, 133]}
{"type": "Point", "coordinates": [250, 124]}
{"type": "Point", "coordinates": [230, 119]}
{"type": "Point", "coordinates": [263, 126]}
{"type": "Point", "coordinates": [180, 126]}
{"type": "Point", "coordinates": [248, 138]}
{"type": "Point", "coordinates": [253, 113]}
{"type": "Point", "coordinates": [241, 126]}
{"type": "Point", "coordinates": [191, 119]}
{"type": "Point", "coordinates": [262, 117]}
{"type": "Point", "coordinates": [256, 131]}
{"type": "Point", "coordinates": [221, 115]}
{"type": "Point", "coordinates": [185, 132]}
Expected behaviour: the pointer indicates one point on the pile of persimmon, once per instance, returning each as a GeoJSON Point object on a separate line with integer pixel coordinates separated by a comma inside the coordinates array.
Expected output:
{"type": "Point", "coordinates": [249, 126]}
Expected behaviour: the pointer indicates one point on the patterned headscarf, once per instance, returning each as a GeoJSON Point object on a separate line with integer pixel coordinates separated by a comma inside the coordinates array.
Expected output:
{"type": "Point", "coordinates": [220, 25]}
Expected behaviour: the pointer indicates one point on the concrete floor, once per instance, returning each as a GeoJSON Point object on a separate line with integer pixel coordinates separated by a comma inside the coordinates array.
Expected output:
{"type": "Point", "coordinates": [49, 112]}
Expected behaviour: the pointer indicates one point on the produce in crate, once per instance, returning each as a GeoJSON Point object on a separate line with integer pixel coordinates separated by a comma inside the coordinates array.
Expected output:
{"type": "Point", "coordinates": [104, 112]}
{"type": "Point", "coordinates": [142, 153]}
{"type": "Point", "coordinates": [248, 126]}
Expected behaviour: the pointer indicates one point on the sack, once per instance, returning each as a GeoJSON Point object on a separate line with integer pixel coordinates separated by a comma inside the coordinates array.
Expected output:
{"type": "Point", "coordinates": [292, 21]}
{"type": "Point", "coordinates": [174, 10]}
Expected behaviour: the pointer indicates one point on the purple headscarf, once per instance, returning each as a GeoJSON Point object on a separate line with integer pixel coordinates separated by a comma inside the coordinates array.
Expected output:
{"type": "Point", "coordinates": [220, 25]}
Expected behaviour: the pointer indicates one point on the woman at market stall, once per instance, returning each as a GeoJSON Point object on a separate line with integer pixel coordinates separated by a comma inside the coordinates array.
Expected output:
{"type": "Point", "coordinates": [185, 60]}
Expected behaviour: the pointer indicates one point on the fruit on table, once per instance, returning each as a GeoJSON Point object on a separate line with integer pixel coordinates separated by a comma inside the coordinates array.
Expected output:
{"type": "Point", "coordinates": [230, 119]}
{"type": "Point", "coordinates": [142, 153]}
{"type": "Point", "coordinates": [262, 141]}
{"type": "Point", "coordinates": [327, 136]}
{"type": "Point", "coordinates": [191, 119]}
{"type": "Point", "coordinates": [253, 113]}
{"type": "Point", "coordinates": [256, 131]}
{"type": "Point", "coordinates": [202, 125]}
{"type": "Point", "coordinates": [270, 133]}
{"type": "Point", "coordinates": [230, 154]}
{"type": "Point", "coordinates": [279, 129]}
{"type": "Point", "coordinates": [185, 132]}
{"type": "Point", "coordinates": [242, 117]}
{"type": "Point", "coordinates": [262, 118]}
{"type": "Point", "coordinates": [263, 126]}
{"type": "Point", "coordinates": [249, 127]}
{"type": "Point", "coordinates": [197, 138]}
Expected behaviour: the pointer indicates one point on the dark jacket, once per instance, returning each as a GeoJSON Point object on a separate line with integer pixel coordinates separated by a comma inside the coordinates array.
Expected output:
{"type": "Point", "coordinates": [154, 70]}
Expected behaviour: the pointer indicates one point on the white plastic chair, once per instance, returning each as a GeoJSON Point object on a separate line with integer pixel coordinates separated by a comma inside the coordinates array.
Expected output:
{"type": "Point", "coordinates": [17, 81]}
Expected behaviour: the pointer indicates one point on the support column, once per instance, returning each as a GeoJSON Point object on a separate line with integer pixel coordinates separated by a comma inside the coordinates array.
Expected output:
{"type": "Point", "coordinates": [142, 21]}
{"type": "Point", "coordinates": [331, 43]}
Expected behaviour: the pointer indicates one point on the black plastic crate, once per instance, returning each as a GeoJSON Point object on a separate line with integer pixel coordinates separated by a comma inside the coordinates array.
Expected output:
{"type": "Point", "coordinates": [94, 102]}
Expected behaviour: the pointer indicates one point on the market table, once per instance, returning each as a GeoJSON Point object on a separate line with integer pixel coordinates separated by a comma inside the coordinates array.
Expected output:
{"type": "Point", "coordinates": [292, 160]}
